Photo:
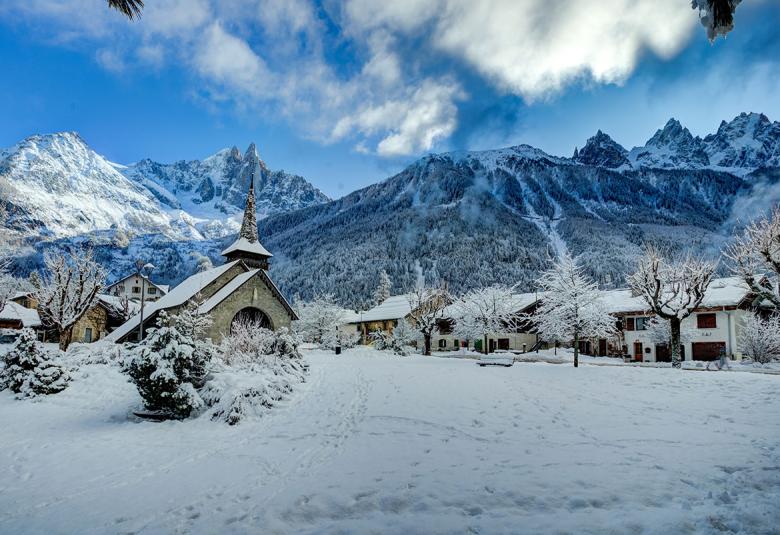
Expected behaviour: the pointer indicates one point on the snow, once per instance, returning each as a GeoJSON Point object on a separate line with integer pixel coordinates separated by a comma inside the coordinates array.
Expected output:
{"type": "Point", "coordinates": [393, 308]}
{"type": "Point", "coordinates": [14, 311]}
{"type": "Point", "coordinates": [376, 443]}
{"type": "Point", "coordinates": [177, 296]}
{"type": "Point", "coordinates": [242, 244]}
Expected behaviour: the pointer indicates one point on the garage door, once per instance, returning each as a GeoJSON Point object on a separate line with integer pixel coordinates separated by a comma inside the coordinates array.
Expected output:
{"type": "Point", "coordinates": [707, 350]}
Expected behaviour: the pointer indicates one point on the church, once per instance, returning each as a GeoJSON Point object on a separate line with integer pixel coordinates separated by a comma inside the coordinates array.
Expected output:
{"type": "Point", "coordinates": [239, 290]}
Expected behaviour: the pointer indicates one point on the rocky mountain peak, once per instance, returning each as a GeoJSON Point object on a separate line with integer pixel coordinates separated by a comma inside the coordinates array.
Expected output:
{"type": "Point", "coordinates": [602, 151]}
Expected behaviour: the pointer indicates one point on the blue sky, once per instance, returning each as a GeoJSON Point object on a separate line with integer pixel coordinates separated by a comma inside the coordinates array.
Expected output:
{"type": "Point", "coordinates": [346, 93]}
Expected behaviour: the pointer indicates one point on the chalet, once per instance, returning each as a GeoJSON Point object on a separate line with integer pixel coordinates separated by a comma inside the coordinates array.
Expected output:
{"type": "Point", "coordinates": [16, 316]}
{"type": "Point", "coordinates": [239, 290]}
{"type": "Point", "coordinates": [385, 317]}
{"type": "Point", "coordinates": [135, 286]}
{"type": "Point", "coordinates": [712, 328]}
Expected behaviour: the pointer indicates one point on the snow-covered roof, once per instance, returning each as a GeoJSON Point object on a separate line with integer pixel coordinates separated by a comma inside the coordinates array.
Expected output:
{"type": "Point", "coordinates": [242, 244]}
{"type": "Point", "coordinates": [393, 308]}
{"type": "Point", "coordinates": [519, 303]}
{"type": "Point", "coordinates": [115, 302]}
{"type": "Point", "coordinates": [225, 291]}
{"type": "Point", "coordinates": [722, 292]}
{"type": "Point", "coordinates": [176, 297]}
{"type": "Point", "coordinates": [16, 312]}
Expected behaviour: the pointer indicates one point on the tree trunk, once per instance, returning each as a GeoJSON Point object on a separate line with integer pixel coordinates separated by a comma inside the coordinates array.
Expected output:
{"type": "Point", "coordinates": [485, 346]}
{"type": "Point", "coordinates": [65, 338]}
{"type": "Point", "coordinates": [674, 323]}
{"type": "Point", "coordinates": [576, 349]}
{"type": "Point", "coordinates": [427, 338]}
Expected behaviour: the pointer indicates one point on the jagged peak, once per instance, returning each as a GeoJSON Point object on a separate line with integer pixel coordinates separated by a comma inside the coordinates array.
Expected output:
{"type": "Point", "coordinates": [672, 132]}
{"type": "Point", "coordinates": [251, 152]}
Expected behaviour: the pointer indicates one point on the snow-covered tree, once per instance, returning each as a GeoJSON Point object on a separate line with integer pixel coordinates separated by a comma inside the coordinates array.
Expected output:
{"type": "Point", "coordinates": [756, 252]}
{"type": "Point", "coordinates": [30, 370]}
{"type": "Point", "coordinates": [67, 290]}
{"type": "Point", "coordinates": [319, 320]}
{"type": "Point", "coordinates": [382, 291]}
{"type": "Point", "coordinates": [8, 284]}
{"type": "Point", "coordinates": [168, 371]}
{"type": "Point", "coordinates": [717, 16]}
{"type": "Point", "coordinates": [571, 308]}
{"type": "Point", "coordinates": [428, 305]}
{"type": "Point", "coordinates": [399, 341]}
{"type": "Point", "coordinates": [759, 337]}
{"type": "Point", "coordinates": [672, 289]}
{"type": "Point", "coordinates": [480, 313]}
{"type": "Point", "coordinates": [202, 262]}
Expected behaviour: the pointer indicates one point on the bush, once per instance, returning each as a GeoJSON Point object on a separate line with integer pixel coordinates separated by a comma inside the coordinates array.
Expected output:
{"type": "Point", "coordinates": [261, 367]}
{"type": "Point", "coordinates": [30, 370]}
{"type": "Point", "coordinates": [400, 341]}
{"type": "Point", "coordinates": [167, 368]}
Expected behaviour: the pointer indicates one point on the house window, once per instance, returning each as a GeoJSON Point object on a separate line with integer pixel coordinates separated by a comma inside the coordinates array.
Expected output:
{"type": "Point", "coordinates": [629, 324]}
{"type": "Point", "coordinates": [640, 324]}
{"type": "Point", "coordinates": [152, 290]}
{"type": "Point", "coordinates": [136, 290]}
{"type": "Point", "coordinates": [88, 334]}
{"type": "Point", "coordinates": [706, 321]}
{"type": "Point", "coordinates": [442, 343]}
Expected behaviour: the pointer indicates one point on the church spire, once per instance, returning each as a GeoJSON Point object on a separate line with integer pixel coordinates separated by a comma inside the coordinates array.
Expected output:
{"type": "Point", "coordinates": [247, 247]}
{"type": "Point", "coordinates": [249, 224]}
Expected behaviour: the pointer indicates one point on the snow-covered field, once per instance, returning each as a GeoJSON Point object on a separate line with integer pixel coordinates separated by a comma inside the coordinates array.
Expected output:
{"type": "Point", "coordinates": [377, 443]}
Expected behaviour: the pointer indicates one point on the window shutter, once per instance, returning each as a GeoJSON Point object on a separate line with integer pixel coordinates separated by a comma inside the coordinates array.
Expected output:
{"type": "Point", "coordinates": [629, 324]}
{"type": "Point", "coordinates": [706, 321]}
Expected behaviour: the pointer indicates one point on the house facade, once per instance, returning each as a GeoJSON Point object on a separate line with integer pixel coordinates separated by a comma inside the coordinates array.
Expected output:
{"type": "Point", "coordinates": [135, 286]}
{"type": "Point", "coordinates": [712, 328]}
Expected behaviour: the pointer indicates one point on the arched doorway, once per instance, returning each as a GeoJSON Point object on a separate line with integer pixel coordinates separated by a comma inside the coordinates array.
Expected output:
{"type": "Point", "coordinates": [251, 315]}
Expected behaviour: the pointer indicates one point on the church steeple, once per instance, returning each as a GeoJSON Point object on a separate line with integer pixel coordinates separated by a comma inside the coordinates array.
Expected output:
{"type": "Point", "coordinates": [248, 247]}
{"type": "Point", "coordinates": [249, 224]}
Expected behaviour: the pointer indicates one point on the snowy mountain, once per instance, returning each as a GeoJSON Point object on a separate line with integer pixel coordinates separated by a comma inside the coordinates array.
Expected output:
{"type": "Point", "coordinates": [58, 187]}
{"type": "Point", "coordinates": [672, 147]}
{"type": "Point", "coordinates": [216, 186]}
{"type": "Point", "coordinates": [469, 218]}
{"type": "Point", "coordinates": [750, 141]}
{"type": "Point", "coordinates": [477, 218]}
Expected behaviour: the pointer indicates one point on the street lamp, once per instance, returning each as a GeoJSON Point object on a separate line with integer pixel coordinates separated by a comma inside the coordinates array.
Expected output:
{"type": "Point", "coordinates": [142, 269]}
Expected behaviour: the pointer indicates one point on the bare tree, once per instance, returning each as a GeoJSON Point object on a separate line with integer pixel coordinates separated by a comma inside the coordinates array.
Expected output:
{"type": "Point", "coordinates": [757, 252]}
{"type": "Point", "coordinates": [672, 289]}
{"type": "Point", "coordinates": [571, 306]}
{"type": "Point", "coordinates": [67, 290]}
{"type": "Point", "coordinates": [480, 313]}
{"type": "Point", "coordinates": [427, 310]}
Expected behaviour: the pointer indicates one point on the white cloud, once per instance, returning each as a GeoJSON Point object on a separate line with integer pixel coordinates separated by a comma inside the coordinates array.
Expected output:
{"type": "Point", "coordinates": [397, 92]}
{"type": "Point", "coordinates": [228, 60]}
{"type": "Point", "coordinates": [536, 47]}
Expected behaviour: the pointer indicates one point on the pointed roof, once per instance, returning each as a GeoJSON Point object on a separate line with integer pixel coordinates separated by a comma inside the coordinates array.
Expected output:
{"type": "Point", "coordinates": [248, 240]}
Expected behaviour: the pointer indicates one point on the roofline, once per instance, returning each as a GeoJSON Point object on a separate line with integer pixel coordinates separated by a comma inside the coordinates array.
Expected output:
{"type": "Point", "coordinates": [149, 280]}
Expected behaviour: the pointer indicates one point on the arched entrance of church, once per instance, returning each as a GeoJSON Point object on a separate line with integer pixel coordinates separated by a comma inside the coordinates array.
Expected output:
{"type": "Point", "coordinates": [251, 315]}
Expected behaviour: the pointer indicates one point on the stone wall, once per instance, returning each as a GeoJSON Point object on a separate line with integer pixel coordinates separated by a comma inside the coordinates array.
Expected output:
{"type": "Point", "coordinates": [95, 319]}
{"type": "Point", "coordinates": [253, 293]}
